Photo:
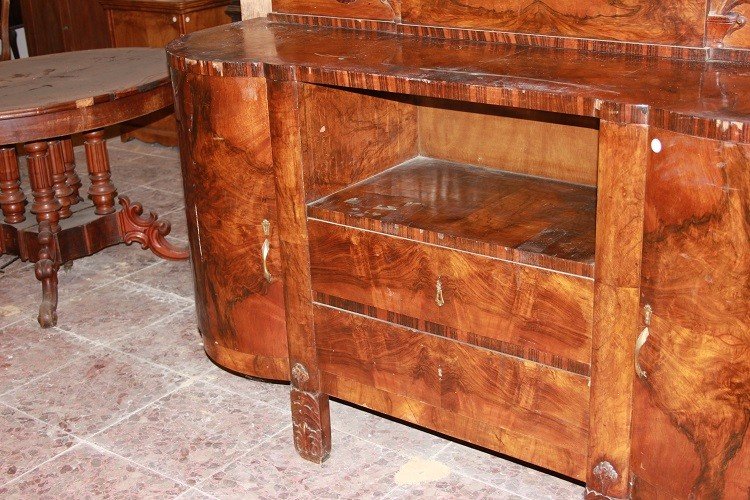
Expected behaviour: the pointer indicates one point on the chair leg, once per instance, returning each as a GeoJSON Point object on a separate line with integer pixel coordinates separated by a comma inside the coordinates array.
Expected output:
{"type": "Point", "coordinates": [12, 199]}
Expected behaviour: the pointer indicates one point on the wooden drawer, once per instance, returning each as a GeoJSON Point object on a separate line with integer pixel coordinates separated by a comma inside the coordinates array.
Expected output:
{"type": "Point", "coordinates": [525, 409]}
{"type": "Point", "coordinates": [365, 9]}
{"type": "Point", "coordinates": [521, 310]}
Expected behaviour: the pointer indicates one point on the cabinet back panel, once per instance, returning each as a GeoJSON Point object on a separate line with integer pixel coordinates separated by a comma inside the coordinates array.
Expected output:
{"type": "Point", "coordinates": [673, 22]}
{"type": "Point", "coordinates": [531, 144]}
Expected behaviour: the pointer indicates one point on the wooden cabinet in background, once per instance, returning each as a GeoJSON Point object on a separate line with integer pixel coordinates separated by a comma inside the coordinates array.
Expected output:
{"type": "Point", "coordinates": [64, 25]}
{"type": "Point", "coordinates": [155, 23]}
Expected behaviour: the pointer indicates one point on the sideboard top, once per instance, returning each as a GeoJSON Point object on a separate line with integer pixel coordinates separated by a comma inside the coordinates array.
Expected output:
{"type": "Point", "coordinates": [708, 99]}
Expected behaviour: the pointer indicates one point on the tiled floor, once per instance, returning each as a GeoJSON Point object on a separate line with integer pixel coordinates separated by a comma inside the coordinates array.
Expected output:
{"type": "Point", "coordinates": [119, 401]}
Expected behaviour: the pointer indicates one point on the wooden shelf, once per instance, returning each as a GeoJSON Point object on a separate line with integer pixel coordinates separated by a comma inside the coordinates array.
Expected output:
{"type": "Point", "coordinates": [523, 219]}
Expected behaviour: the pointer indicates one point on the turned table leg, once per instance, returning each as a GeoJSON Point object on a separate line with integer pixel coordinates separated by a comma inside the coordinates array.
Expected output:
{"type": "Point", "coordinates": [72, 178]}
{"type": "Point", "coordinates": [12, 199]}
{"type": "Point", "coordinates": [102, 192]}
{"type": "Point", "coordinates": [63, 191]}
{"type": "Point", "coordinates": [47, 209]}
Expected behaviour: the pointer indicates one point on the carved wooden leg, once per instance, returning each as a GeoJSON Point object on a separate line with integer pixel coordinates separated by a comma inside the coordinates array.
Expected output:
{"type": "Point", "coordinates": [46, 206]}
{"type": "Point", "coordinates": [149, 231]}
{"type": "Point", "coordinates": [12, 199]}
{"type": "Point", "coordinates": [63, 192]}
{"type": "Point", "coordinates": [72, 178]}
{"type": "Point", "coordinates": [310, 412]}
{"type": "Point", "coordinates": [102, 192]}
{"type": "Point", "coordinates": [46, 272]}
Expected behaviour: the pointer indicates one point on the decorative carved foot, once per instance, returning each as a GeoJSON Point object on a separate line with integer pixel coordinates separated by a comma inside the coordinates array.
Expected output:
{"type": "Point", "coordinates": [46, 272]}
{"type": "Point", "coordinates": [149, 231]}
{"type": "Point", "coordinates": [311, 424]}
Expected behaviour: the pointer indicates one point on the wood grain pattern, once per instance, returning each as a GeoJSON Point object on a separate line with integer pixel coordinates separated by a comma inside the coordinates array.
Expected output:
{"type": "Point", "coordinates": [623, 159]}
{"type": "Point", "coordinates": [533, 403]}
{"type": "Point", "coordinates": [533, 309]}
{"type": "Point", "coordinates": [571, 82]}
{"type": "Point", "coordinates": [679, 22]}
{"type": "Point", "coordinates": [364, 9]}
{"type": "Point", "coordinates": [517, 218]}
{"type": "Point", "coordinates": [693, 402]}
{"type": "Point", "coordinates": [349, 136]}
{"type": "Point", "coordinates": [240, 314]}
{"type": "Point", "coordinates": [523, 142]}
{"type": "Point", "coordinates": [310, 413]}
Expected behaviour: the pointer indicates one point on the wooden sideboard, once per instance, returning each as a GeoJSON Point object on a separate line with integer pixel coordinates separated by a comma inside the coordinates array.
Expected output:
{"type": "Point", "coordinates": [155, 23]}
{"type": "Point", "coordinates": [524, 224]}
{"type": "Point", "coordinates": [56, 26]}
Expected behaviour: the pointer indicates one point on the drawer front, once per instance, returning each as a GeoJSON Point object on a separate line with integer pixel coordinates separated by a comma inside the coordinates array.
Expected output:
{"type": "Point", "coordinates": [366, 9]}
{"type": "Point", "coordinates": [525, 409]}
{"type": "Point", "coordinates": [521, 310]}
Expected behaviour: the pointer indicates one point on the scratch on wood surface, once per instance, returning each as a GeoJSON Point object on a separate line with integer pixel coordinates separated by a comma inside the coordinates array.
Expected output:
{"type": "Point", "coordinates": [85, 103]}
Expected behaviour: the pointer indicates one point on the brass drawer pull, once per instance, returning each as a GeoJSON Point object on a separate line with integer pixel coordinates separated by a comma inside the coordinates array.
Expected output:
{"type": "Point", "coordinates": [266, 248]}
{"type": "Point", "coordinates": [641, 340]}
{"type": "Point", "coordinates": [439, 300]}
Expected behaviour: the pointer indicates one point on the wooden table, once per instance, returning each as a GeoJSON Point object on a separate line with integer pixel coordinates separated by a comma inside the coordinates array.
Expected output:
{"type": "Point", "coordinates": [43, 101]}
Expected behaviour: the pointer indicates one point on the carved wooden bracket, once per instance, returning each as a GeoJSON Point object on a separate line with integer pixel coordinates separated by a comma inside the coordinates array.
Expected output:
{"type": "Point", "coordinates": [723, 22]}
{"type": "Point", "coordinates": [148, 231]}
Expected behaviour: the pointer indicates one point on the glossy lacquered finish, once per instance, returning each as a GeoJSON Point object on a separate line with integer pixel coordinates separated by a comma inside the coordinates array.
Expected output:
{"type": "Point", "coordinates": [537, 250]}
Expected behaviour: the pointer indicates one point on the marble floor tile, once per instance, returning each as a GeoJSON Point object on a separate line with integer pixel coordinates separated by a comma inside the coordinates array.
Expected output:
{"type": "Point", "coordinates": [395, 435]}
{"type": "Point", "coordinates": [356, 469]}
{"type": "Point", "coordinates": [275, 394]}
{"type": "Point", "coordinates": [193, 432]}
{"type": "Point", "coordinates": [27, 443]}
{"type": "Point", "coordinates": [174, 343]}
{"type": "Point", "coordinates": [168, 276]}
{"type": "Point", "coordinates": [509, 475]}
{"type": "Point", "coordinates": [116, 261]}
{"type": "Point", "coordinates": [116, 311]}
{"type": "Point", "coordinates": [154, 200]}
{"type": "Point", "coordinates": [452, 488]}
{"type": "Point", "coordinates": [85, 472]}
{"type": "Point", "coordinates": [28, 351]}
{"type": "Point", "coordinates": [93, 391]}
{"type": "Point", "coordinates": [20, 295]}
{"type": "Point", "coordinates": [178, 222]}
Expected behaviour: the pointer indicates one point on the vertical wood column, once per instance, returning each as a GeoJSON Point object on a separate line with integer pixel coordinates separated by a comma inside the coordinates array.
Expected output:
{"type": "Point", "coordinates": [12, 199]}
{"type": "Point", "coordinates": [310, 412]}
{"type": "Point", "coordinates": [45, 206]}
{"type": "Point", "coordinates": [72, 178]}
{"type": "Point", "coordinates": [102, 192]}
{"type": "Point", "coordinates": [623, 160]}
{"type": "Point", "coordinates": [63, 192]}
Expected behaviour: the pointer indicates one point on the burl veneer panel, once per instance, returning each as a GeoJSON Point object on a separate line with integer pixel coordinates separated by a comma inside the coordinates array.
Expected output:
{"type": "Point", "coordinates": [692, 412]}
{"type": "Point", "coordinates": [674, 22]}
{"type": "Point", "coordinates": [348, 136]}
{"type": "Point", "coordinates": [520, 310]}
{"type": "Point", "coordinates": [229, 191]}
{"type": "Point", "coordinates": [514, 217]}
{"type": "Point", "coordinates": [532, 408]}
{"type": "Point", "coordinates": [386, 10]}
{"type": "Point", "coordinates": [518, 141]}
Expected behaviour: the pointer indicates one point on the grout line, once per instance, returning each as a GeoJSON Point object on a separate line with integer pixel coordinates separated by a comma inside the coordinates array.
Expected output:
{"type": "Point", "coordinates": [239, 458]}
{"type": "Point", "coordinates": [37, 466]}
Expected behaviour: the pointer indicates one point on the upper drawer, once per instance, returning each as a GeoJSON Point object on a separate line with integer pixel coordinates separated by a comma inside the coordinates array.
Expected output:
{"type": "Point", "coordinates": [521, 310]}
{"type": "Point", "coordinates": [673, 22]}
{"type": "Point", "coordinates": [364, 9]}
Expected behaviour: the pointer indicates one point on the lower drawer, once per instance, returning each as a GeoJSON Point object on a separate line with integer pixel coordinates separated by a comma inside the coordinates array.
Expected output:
{"type": "Point", "coordinates": [525, 311]}
{"type": "Point", "coordinates": [527, 410]}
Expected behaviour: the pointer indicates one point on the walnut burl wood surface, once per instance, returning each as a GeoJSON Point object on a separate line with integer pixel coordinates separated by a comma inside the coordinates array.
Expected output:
{"type": "Point", "coordinates": [707, 99]}
{"type": "Point", "coordinates": [693, 401]}
{"type": "Point", "coordinates": [514, 217]}
{"type": "Point", "coordinates": [55, 95]}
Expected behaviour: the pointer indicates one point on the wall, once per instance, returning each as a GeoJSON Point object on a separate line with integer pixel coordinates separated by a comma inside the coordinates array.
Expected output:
{"type": "Point", "coordinates": [255, 8]}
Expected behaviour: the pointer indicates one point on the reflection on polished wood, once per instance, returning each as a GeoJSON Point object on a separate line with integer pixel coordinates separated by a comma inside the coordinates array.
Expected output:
{"type": "Point", "coordinates": [520, 223]}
